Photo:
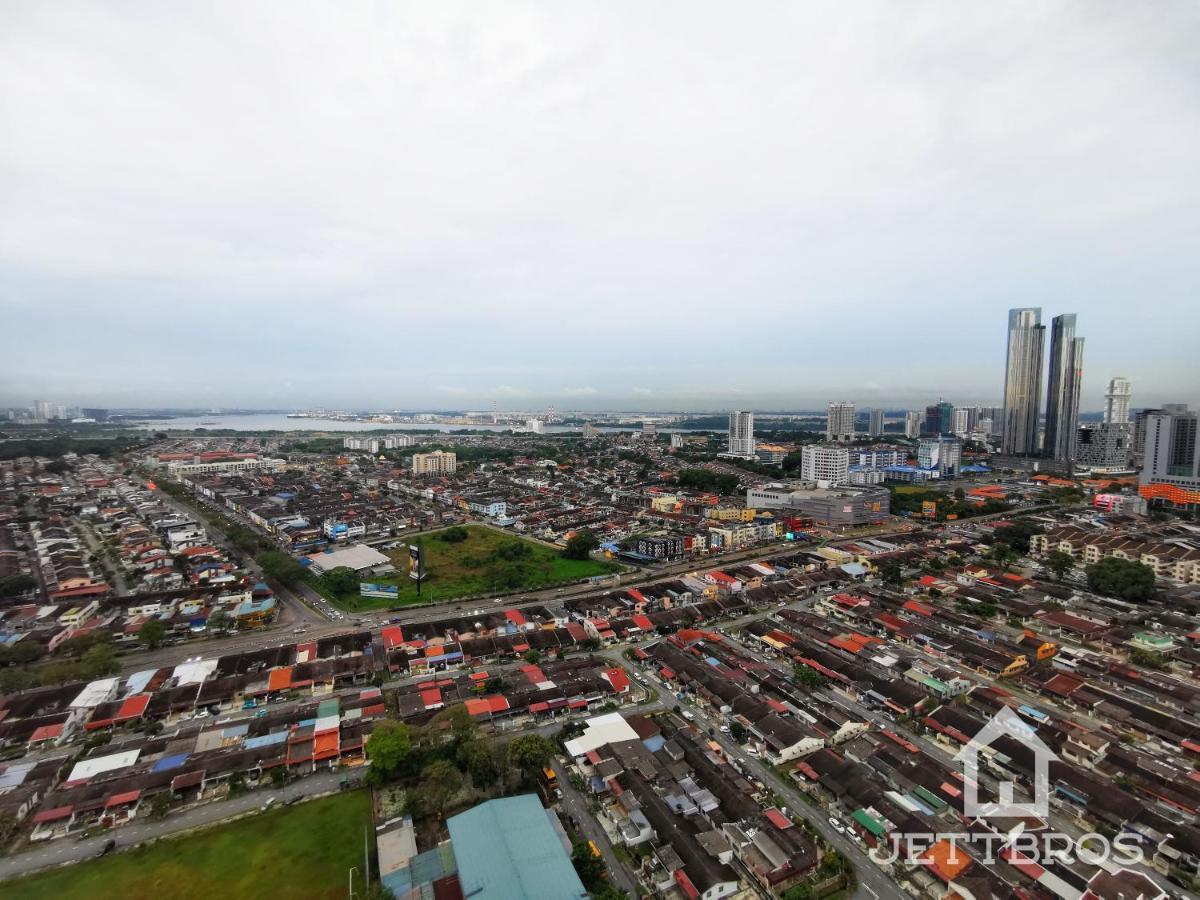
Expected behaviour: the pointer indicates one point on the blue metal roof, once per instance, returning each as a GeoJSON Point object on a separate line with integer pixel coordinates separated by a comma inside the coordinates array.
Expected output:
{"type": "Point", "coordinates": [508, 850]}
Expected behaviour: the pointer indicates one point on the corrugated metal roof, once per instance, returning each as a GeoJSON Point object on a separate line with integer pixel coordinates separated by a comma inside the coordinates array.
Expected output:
{"type": "Point", "coordinates": [508, 850]}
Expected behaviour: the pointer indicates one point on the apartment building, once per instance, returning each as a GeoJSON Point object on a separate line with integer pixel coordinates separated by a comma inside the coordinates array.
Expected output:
{"type": "Point", "coordinates": [439, 462]}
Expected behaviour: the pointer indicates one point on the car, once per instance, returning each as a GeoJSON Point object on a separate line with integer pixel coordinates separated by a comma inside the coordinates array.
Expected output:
{"type": "Point", "coordinates": [292, 801]}
{"type": "Point", "coordinates": [270, 802]}
{"type": "Point", "coordinates": [689, 715]}
{"type": "Point", "coordinates": [109, 846]}
{"type": "Point", "coordinates": [837, 825]}
{"type": "Point", "coordinates": [724, 729]}
{"type": "Point", "coordinates": [752, 750]}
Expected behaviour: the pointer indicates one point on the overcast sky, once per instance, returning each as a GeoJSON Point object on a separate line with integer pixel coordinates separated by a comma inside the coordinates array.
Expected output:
{"type": "Point", "coordinates": [656, 206]}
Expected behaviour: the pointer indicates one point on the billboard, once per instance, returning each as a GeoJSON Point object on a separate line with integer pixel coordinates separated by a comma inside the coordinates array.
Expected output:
{"type": "Point", "coordinates": [929, 509]}
{"type": "Point", "coordinates": [414, 562]}
{"type": "Point", "coordinates": [385, 591]}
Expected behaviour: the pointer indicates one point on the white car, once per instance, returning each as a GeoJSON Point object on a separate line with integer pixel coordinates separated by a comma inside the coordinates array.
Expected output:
{"type": "Point", "coordinates": [838, 826]}
{"type": "Point", "coordinates": [724, 729]}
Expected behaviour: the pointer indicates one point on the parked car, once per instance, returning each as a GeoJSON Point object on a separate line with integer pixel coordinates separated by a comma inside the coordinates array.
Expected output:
{"type": "Point", "coordinates": [837, 825]}
{"type": "Point", "coordinates": [109, 846]}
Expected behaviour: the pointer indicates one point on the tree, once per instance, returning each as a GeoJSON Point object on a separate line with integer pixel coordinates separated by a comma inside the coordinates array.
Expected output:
{"type": "Point", "coordinates": [1017, 535]}
{"type": "Point", "coordinates": [588, 865]}
{"type": "Point", "coordinates": [1059, 563]}
{"type": "Point", "coordinates": [798, 892]}
{"type": "Point", "coordinates": [8, 826]}
{"type": "Point", "coordinates": [738, 732]}
{"type": "Point", "coordinates": [377, 890]}
{"type": "Point", "coordinates": [160, 805]}
{"type": "Point", "coordinates": [388, 748]}
{"type": "Point", "coordinates": [283, 567]}
{"type": "Point", "coordinates": [891, 572]}
{"type": "Point", "coordinates": [532, 657]}
{"type": "Point", "coordinates": [477, 758]}
{"type": "Point", "coordinates": [14, 585]}
{"type": "Point", "coordinates": [99, 662]}
{"type": "Point", "coordinates": [808, 676]}
{"type": "Point", "coordinates": [461, 724]}
{"type": "Point", "coordinates": [1121, 578]}
{"type": "Point", "coordinates": [581, 544]}
{"type": "Point", "coordinates": [1004, 556]}
{"type": "Point", "coordinates": [219, 620]}
{"type": "Point", "coordinates": [152, 633]}
{"type": "Point", "coordinates": [959, 494]}
{"type": "Point", "coordinates": [341, 581]}
{"type": "Point", "coordinates": [440, 783]}
{"type": "Point", "coordinates": [529, 753]}
{"type": "Point", "coordinates": [13, 680]}
{"type": "Point", "coordinates": [279, 776]}
{"type": "Point", "coordinates": [237, 784]}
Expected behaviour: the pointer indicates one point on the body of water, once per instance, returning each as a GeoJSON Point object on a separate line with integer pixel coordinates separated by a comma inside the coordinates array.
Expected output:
{"type": "Point", "coordinates": [280, 422]}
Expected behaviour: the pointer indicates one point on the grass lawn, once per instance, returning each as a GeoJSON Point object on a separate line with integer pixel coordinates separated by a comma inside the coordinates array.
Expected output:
{"type": "Point", "coordinates": [302, 851]}
{"type": "Point", "coordinates": [473, 566]}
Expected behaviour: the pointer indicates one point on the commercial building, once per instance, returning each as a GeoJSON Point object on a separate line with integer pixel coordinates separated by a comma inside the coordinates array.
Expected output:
{"type": "Point", "coordinates": [676, 440]}
{"type": "Point", "coordinates": [197, 466]}
{"type": "Point", "coordinates": [1062, 392]}
{"type": "Point", "coordinates": [1171, 458]}
{"type": "Point", "coordinates": [846, 506]}
{"type": "Point", "coordinates": [840, 424]}
{"type": "Point", "coordinates": [771, 454]}
{"type": "Point", "coordinates": [1105, 448]}
{"type": "Point", "coordinates": [1116, 400]}
{"type": "Point", "coordinates": [649, 431]}
{"type": "Point", "coordinates": [362, 559]}
{"type": "Point", "coordinates": [741, 434]}
{"type": "Point", "coordinates": [662, 546]}
{"type": "Point", "coordinates": [875, 423]}
{"type": "Point", "coordinates": [912, 423]}
{"type": "Point", "coordinates": [824, 464]}
{"type": "Point", "coordinates": [943, 453]}
{"type": "Point", "coordinates": [962, 421]}
{"type": "Point", "coordinates": [939, 418]}
{"type": "Point", "coordinates": [1023, 381]}
{"type": "Point", "coordinates": [439, 462]}
{"type": "Point", "coordinates": [534, 425]}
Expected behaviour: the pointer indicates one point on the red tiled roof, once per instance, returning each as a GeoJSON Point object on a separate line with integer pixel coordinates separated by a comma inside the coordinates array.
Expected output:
{"type": "Point", "coordinates": [53, 815]}
{"type": "Point", "coordinates": [133, 707]}
{"type": "Point", "coordinates": [122, 799]}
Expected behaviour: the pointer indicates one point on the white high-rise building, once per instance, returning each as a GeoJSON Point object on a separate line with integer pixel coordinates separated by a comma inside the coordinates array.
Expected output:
{"type": "Point", "coordinates": [1023, 381]}
{"type": "Point", "coordinates": [534, 425]}
{"type": "Point", "coordinates": [943, 453]}
{"type": "Point", "coordinates": [741, 433]}
{"type": "Point", "coordinates": [912, 423]}
{"type": "Point", "coordinates": [840, 426]}
{"type": "Point", "coordinates": [875, 424]}
{"type": "Point", "coordinates": [1116, 401]}
{"type": "Point", "coordinates": [825, 464]}
{"type": "Point", "coordinates": [962, 421]}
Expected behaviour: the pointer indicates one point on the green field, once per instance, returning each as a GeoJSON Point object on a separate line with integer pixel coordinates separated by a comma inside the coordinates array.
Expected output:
{"type": "Point", "coordinates": [488, 561]}
{"type": "Point", "coordinates": [303, 851]}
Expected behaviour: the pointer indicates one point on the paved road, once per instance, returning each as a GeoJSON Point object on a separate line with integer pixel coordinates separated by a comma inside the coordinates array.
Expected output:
{"type": "Point", "coordinates": [65, 850]}
{"type": "Point", "coordinates": [575, 805]}
{"type": "Point", "coordinates": [872, 882]}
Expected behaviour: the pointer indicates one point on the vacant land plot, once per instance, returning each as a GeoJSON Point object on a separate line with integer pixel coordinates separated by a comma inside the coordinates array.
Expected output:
{"type": "Point", "coordinates": [485, 560]}
{"type": "Point", "coordinates": [301, 851]}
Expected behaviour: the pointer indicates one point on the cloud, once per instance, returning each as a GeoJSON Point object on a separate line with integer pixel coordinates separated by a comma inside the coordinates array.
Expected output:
{"type": "Point", "coordinates": [772, 201]}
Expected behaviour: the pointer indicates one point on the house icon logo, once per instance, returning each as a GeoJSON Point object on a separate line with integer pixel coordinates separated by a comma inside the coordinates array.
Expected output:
{"type": "Point", "coordinates": [1006, 723]}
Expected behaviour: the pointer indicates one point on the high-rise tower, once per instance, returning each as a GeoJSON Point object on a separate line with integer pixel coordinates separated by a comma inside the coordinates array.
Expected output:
{"type": "Point", "coordinates": [1023, 380]}
{"type": "Point", "coordinates": [1062, 392]}
{"type": "Point", "coordinates": [741, 433]}
{"type": "Point", "coordinates": [1116, 400]}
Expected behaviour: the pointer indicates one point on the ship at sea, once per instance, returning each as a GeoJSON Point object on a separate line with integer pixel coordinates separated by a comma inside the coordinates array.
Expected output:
{"type": "Point", "coordinates": [299, 415]}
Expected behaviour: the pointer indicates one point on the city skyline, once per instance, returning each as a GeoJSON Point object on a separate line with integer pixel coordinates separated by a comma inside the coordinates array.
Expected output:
{"type": "Point", "coordinates": [452, 206]}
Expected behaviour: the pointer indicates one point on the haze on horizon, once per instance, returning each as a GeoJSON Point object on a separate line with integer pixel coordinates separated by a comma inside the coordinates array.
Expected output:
{"type": "Point", "coordinates": [675, 207]}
